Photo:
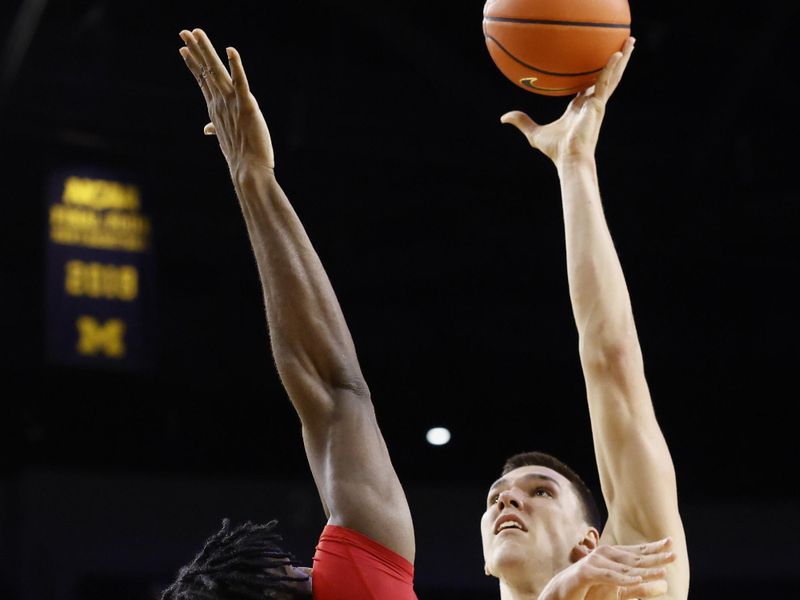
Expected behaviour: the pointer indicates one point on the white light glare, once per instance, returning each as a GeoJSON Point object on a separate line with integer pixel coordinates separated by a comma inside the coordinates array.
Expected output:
{"type": "Point", "coordinates": [438, 436]}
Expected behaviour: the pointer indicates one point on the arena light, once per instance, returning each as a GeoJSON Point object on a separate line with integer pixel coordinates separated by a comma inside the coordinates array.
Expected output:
{"type": "Point", "coordinates": [438, 436]}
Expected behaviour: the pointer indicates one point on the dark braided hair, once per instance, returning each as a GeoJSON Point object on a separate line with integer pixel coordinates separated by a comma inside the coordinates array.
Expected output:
{"type": "Point", "coordinates": [245, 563]}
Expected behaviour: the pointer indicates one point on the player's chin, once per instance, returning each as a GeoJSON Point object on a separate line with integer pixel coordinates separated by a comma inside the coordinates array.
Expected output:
{"type": "Point", "coordinates": [508, 552]}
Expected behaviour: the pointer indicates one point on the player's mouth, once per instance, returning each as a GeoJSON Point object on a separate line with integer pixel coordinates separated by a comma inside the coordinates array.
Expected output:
{"type": "Point", "coordinates": [509, 523]}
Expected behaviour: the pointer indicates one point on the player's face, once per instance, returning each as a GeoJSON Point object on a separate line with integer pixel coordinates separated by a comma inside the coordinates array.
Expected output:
{"type": "Point", "coordinates": [532, 522]}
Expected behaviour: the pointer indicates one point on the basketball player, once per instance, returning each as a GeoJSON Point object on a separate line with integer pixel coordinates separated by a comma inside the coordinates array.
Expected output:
{"type": "Point", "coordinates": [366, 551]}
{"type": "Point", "coordinates": [542, 536]}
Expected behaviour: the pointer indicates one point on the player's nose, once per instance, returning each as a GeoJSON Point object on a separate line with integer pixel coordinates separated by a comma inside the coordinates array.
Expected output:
{"type": "Point", "coordinates": [509, 499]}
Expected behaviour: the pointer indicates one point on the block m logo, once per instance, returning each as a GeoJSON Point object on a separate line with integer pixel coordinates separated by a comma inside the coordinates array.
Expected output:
{"type": "Point", "coordinates": [95, 337]}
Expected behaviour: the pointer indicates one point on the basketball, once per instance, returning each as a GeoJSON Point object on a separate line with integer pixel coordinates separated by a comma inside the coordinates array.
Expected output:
{"type": "Point", "coordinates": [554, 47]}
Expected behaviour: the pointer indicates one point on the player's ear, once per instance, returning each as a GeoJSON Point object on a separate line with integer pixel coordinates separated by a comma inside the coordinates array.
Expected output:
{"type": "Point", "coordinates": [586, 545]}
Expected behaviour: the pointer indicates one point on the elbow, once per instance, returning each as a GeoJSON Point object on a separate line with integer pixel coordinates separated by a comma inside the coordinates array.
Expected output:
{"type": "Point", "coordinates": [611, 354]}
{"type": "Point", "coordinates": [349, 379]}
{"type": "Point", "coordinates": [334, 376]}
{"type": "Point", "coordinates": [607, 340]}
{"type": "Point", "coordinates": [339, 373]}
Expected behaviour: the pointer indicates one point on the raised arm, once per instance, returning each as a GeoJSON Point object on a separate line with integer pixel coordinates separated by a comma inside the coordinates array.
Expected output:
{"type": "Point", "coordinates": [311, 343]}
{"type": "Point", "coordinates": [636, 470]}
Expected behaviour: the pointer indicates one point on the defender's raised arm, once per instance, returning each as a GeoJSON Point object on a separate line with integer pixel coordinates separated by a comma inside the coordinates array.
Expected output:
{"type": "Point", "coordinates": [311, 343]}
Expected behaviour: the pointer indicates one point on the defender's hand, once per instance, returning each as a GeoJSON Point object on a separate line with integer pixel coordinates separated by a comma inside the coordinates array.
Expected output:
{"type": "Point", "coordinates": [575, 133]}
{"type": "Point", "coordinates": [614, 572]}
{"type": "Point", "coordinates": [236, 119]}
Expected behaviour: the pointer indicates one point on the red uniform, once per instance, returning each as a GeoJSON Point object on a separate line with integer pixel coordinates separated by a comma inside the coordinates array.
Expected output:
{"type": "Point", "coordinates": [351, 566]}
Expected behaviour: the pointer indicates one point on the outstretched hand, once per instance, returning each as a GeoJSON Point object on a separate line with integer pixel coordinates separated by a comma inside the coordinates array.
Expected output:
{"type": "Point", "coordinates": [575, 133]}
{"type": "Point", "coordinates": [236, 119]}
{"type": "Point", "coordinates": [614, 572]}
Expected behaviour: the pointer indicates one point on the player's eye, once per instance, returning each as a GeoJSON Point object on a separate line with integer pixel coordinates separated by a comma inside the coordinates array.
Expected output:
{"type": "Point", "coordinates": [542, 492]}
{"type": "Point", "coordinates": [494, 499]}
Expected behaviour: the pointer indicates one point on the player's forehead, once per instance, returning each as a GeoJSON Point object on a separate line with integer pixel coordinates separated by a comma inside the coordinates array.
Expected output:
{"type": "Point", "coordinates": [530, 474]}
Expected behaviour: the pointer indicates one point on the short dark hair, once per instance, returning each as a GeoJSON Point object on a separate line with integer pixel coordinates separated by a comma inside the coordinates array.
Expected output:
{"type": "Point", "coordinates": [591, 511]}
{"type": "Point", "coordinates": [235, 564]}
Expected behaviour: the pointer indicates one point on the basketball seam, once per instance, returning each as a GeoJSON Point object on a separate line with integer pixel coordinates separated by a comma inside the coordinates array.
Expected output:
{"type": "Point", "coordinates": [537, 69]}
{"type": "Point", "coordinates": [551, 22]}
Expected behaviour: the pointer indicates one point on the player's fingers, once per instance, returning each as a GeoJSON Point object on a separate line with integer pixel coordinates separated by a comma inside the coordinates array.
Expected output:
{"type": "Point", "coordinates": [196, 70]}
{"type": "Point", "coordinates": [238, 76]}
{"type": "Point", "coordinates": [657, 547]}
{"type": "Point", "coordinates": [602, 575]}
{"type": "Point", "coordinates": [602, 84]}
{"type": "Point", "coordinates": [522, 122]}
{"type": "Point", "coordinates": [635, 559]}
{"type": "Point", "coordinates": [210, 129]}
{"type": "Point", "coordinates": [216, 68]}
{"type": "Point", "coordinates": [648, 589]}
{"type": "Point", "coordinates": [652, 560]}
{"type": "Point", "coordinates": [647, 573]}
{"type": "Point", "coordinates": [580, 99]}
{"type": "Point", "coordinates": [619, 68]}
{"type": "Point", "coordinates": [646, 561]}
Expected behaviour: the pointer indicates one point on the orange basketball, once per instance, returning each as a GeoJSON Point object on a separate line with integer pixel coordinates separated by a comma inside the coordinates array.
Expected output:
{"type": "Point", "coordinates": [554, 47]}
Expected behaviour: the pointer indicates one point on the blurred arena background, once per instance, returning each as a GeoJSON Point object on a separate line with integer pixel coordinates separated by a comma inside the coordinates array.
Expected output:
{"type": "Point", "coordinates": [442, 234]}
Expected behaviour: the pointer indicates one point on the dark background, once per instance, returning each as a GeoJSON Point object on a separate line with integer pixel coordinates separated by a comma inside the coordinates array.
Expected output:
{"type": "Point", "coordinates": [442, 233]}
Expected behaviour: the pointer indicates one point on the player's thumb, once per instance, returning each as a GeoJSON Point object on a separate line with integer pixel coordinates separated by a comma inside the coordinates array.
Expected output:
{"type": "Point", "coordinates": [521, 121]}
{"type": "Point", "coordinates": [210, 129]}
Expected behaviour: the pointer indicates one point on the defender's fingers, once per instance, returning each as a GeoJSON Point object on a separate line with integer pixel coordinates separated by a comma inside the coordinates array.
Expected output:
{"type": "Point", "coordinates": [206, 71]}
{"type": "Point", "coordinates": [210, 129]}
{"type": "Point", "coordinates": [213, 61]}
{"type": "Point", "coordinates": [197, 71]}
{"type": "Point", "coordinates": [194, 47]}
{"type": "Point", "coordinates": [238, 77]}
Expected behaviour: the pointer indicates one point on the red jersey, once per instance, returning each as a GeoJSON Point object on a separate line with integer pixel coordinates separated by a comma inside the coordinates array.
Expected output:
{"type": "Point", "coordinates": [351, 566]}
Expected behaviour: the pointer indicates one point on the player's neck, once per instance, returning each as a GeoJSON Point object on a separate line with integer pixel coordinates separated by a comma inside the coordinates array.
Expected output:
{"type": "Point", "coordinates": [521, 590]}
